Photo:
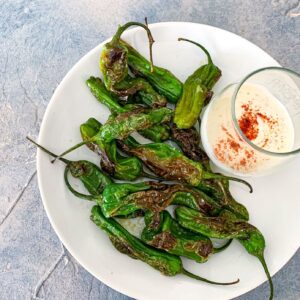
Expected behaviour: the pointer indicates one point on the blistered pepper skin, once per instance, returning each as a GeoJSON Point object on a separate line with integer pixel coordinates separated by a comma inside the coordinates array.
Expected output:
{"type": "Point", "coordinates": [156, 133]}
{"type": "Point", "coordinates": [196, 91]}
{"type": "Point", "coordinates": [114, 68]}
{"type": "Point", "coordinates": [161, 79]}
{"type": "Point", "coordinates": [168, 264]}
{"type": "Point", "coordinates": [226, 226]}
{"type": "Point", "coordinates": [163, 232]}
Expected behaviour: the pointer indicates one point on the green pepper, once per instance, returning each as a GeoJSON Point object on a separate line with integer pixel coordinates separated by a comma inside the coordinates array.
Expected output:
{"type": "Point", "coordinates": [117, 166]}
{"type": "Point", "coordinates": [156, 133]}
{"type": "Point", "coordinates": [126, 243]}
{"type": "Point", "coordinates": [123, 124]}
{"type": "Point", "coordinates": [169, 163]}
{"type": "Point", "coordinates": [114, 67]}
{"type": "Point", "coordinates": [196, 90]}
{"type": "Point", "coordinates": [219, 191]}
{"type": "Point", "coordinates": [226, 227]}
{"type": "Point", "coordinates": [88, 173]}
{"type": "Point", "coordinates": [124, 198]}
{"type": "Point", "coordinates": [163, 81]}
{"type": "Point", "coordinates": [163, 232]}
{"type": "Point", "coordinates": [189, 142]}
{"type": "Point", "coordinates": [143, 91]}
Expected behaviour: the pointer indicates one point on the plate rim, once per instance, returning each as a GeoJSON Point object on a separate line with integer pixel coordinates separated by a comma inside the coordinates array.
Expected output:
{"type": "Point", "coordinates": [58, 232]}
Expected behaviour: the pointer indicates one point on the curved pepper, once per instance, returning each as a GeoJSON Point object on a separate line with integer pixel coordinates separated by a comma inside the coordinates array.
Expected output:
{"type": "Point", "coordinates": [219, 191]}
{"type": "Point", "coordinates": [226, 227]}
{"type": "Point", "coordinates": [169, 163]}
{"type": "Point", "coordinates": [126, 243]}
{"type": "Point", "coordinates": [156, 133]}
{"type": "Point", "coordinates": [163, 81]}
{"type": "Point", "coordinates": [114, 67]}
{"type": "Point", "coordinates": [88, 173]}
{"type": "Point", "coordinates": [119, 199]}
{"type": "Point", "coordinates": [196, 91]}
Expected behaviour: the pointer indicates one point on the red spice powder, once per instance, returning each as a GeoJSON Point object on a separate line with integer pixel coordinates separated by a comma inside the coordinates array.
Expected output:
{"type": "Point", "coordinates": [248, 122]}
{"type": "Point", "coordinates": [231, 145]}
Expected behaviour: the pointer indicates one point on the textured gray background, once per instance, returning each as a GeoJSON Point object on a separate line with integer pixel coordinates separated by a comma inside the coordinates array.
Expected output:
{"type": "Point", "coordinates": [39, 42]}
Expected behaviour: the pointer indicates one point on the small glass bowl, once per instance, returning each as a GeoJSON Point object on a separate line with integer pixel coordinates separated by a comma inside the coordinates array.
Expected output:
{"type": "Point", "coordinates": [277, 82]}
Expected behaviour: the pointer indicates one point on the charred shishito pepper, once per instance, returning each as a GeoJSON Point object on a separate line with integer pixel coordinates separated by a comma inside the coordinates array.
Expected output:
{"type": "Point", "coordinates": [156, 133]}
{"type": "Point", "coordinates": [168, 162]}
{"type": "Point", "coordinates": [114, 67]}
{"type": "Point", "coordinates": [163, 81]}
{"type": "Point", "coordinates": [168, 264]}
{"type": "Point", "coordinates": [117, 166]}
{"type": "Point", "coordinates": [164, 232]}
{"type": "Point", "coordinates": [218, 189]}
{"type": "Point", "coordinates": [119, 199]}
{"type": "Point", "coordinates": [196, 92]}
{"type": "Point", "coordinates": [226, 227]}
{"type": "Point", "coordinates": [122, 125]}
{"type": "Point", "coordinates": [189, 142]}
{"type": "Point", "coordinates": [88, 173]}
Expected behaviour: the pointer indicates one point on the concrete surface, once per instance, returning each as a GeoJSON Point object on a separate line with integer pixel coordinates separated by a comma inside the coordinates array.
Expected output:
{"type": "Point", "coordinates": [39, 42]}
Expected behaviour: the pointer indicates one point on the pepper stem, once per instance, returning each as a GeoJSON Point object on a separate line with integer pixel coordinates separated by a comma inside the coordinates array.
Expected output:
{"type": "Point", "coordinates": [121, 29]}
{"type": "Point", "coordinates": [187, 273]}
{"type": "Point", "coordinates": [66, 161]}
{"type": "Point", "coordinates": [202, 48]}
{"type": "Point", "coordinates": [70, 150]}
{"type": "Point", "coordinates": [208, 175]}
{"type": "Point", "coordinates": [263, 262]}
{"type": "Point", "coordinates": [74, 192]}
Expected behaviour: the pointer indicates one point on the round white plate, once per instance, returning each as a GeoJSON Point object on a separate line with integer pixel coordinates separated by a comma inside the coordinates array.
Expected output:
{"type": "Point", "coordinates": [274, 206]}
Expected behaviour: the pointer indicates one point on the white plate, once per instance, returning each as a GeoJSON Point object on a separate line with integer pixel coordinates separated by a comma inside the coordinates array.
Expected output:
{"type": "Point", "coordinates": [274, 206]}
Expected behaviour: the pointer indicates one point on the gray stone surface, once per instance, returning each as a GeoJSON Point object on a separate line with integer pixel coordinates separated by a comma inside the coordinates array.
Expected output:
{"type": "Point", "coordinates": [39, 42]}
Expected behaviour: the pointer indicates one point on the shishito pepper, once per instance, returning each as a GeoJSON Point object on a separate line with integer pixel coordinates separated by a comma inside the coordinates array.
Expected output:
{"type": "Point", "coordinates": [120, 199]}
{"type": "Point", "coordinates": [189, 142]}
{"type": "Point", "coordinates": [88, 173]}
{"type": "Point", "coordinates": [156, 133]}
{"type": "Point", "coordinates": [226, 227]}
{"type": "Point", "coordinates": [161, 79]}
{"type": "Point", "coordinates": [114, 67]}
{"type": "Point", "coordinates": [196, 91]}
{"type": "Point", "coordinates": [218, 189]}
{"type": "Point", "coordinates": [164, 232]}
{"type": "Point", "coordinates": [126, 243]}
{"type": "Point", "coordinates": [168, 162]}
{"type": "Point", "coordinates": [122, 125]}
{"type": "Point", "coordinates": [117, 166]}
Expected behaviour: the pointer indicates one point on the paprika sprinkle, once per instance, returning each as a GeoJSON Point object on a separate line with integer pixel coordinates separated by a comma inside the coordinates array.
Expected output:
{"type": "Point", "coordinates": [261, 119]}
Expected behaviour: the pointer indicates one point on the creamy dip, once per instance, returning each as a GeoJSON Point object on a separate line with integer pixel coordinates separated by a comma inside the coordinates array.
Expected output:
{"type": "Point", "coordinates": [262, 119]}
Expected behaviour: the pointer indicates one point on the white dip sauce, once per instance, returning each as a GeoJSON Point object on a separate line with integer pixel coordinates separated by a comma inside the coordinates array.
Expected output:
{"type": "Point", "coordinates": [263, 120]}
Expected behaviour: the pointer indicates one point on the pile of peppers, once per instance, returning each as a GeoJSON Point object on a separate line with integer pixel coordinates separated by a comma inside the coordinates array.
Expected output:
{"type": "Point", "coordinates": [185, 205]}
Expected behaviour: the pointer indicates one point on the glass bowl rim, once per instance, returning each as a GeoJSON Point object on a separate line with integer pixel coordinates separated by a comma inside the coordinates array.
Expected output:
{"type": "Point", "coordinates": [233, 112]}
